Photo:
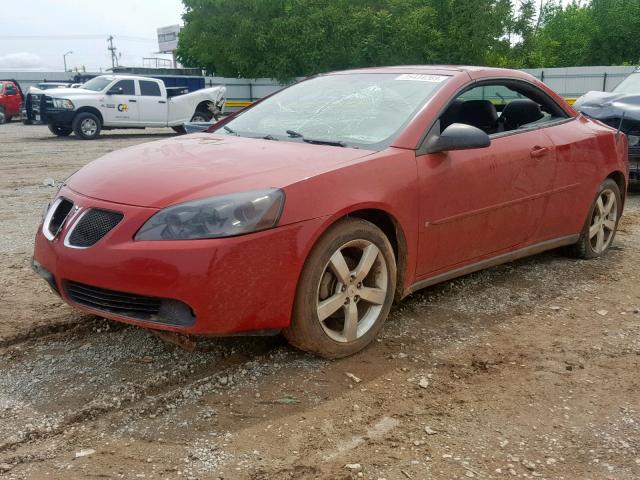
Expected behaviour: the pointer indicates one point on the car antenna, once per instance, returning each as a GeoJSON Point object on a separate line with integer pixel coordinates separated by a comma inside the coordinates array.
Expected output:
{"type": "Point", "coordinates": [620, 125]}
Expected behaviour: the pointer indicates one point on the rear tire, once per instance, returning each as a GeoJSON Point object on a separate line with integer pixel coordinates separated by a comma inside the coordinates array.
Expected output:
{"type": "Point", "coordinates": [202, 116]}
{"type": "Point", "coordinates": [345, 291]}
{"type": "Point", "coordinates": [60, 131]}
{"type": "Point", "coordinates": [3, 118]}
{"type": "Point", "coordinates": [86, 126]}
{"type": "Point", "coordinates": [602, 223]}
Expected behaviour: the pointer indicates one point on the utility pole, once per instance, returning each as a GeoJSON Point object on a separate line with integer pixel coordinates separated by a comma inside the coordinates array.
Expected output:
{"type": "Point", "coordinates": [112, 49]}
{"type": "Point", "coordinates": [64, 59]}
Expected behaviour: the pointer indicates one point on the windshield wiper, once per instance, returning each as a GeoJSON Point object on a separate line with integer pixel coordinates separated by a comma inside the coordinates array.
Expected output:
{"type": "Point", "coordinates": [270, 137]}
{"type": "Point", "coordinates": [293, 133]}
{"type": "Point", "coordinates": [230, 130]}
{"type": "Point", "coordinates": [334, 143]}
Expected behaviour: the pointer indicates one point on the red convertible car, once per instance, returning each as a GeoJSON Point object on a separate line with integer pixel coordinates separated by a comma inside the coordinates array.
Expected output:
{"type": "Point", "coordinates": [312, 211]}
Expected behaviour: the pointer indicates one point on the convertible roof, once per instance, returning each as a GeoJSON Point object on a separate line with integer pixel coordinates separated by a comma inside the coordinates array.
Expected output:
{"type": "Point", "coordinates": [476, 71]}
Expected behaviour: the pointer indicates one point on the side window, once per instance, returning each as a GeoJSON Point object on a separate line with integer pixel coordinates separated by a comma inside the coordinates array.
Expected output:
{"type": "Point", "coordinates": [502, 108]}
{"type": "Point", "coordinates": [11, 90]}
{"type": "Point", "coordinates": [149, 89]}
{"type": "Point", "coordinates": [128, 87]}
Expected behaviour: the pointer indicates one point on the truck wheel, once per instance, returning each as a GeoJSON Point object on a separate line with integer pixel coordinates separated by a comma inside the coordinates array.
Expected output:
{"type": "Point", "coordinates": [60, 131]}
{"type": "Point", "coordinates": [86, 126]}
{"type": "Point", "coordinates": [2, 117]}
{"type": "Point", "coordinates": [202, 116]}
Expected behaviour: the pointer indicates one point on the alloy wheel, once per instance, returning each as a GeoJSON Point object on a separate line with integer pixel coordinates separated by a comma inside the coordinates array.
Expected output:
{"type": "Point", "coordinates": [352, 290]}
{"type": "Point", "coordinates": [89, 127]}
{"type": "Point", "coordinates": [603, 221]}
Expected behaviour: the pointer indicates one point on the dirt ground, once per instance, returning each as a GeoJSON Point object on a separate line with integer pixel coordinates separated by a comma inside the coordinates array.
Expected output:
{"type": "Point", "coordinates": [528, 370]}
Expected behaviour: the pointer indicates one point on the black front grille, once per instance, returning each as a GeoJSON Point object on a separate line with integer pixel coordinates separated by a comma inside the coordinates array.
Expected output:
{"type": "Point", "coordinates": [93, 225]}
{"type": "Point", "coordinates": [128, 304]}
{"type": "Point", "coordinates": [139, 307]}
{"type": "Point", "coordinates": [62, 209]}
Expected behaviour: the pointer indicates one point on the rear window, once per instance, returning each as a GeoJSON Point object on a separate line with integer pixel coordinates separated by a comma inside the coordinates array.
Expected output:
{"type": "Point", "coordinates": [149, 89]}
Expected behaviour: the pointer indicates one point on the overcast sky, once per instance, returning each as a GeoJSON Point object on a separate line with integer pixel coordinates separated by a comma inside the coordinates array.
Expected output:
{"type": "Point", "coordinates": [34, 34]}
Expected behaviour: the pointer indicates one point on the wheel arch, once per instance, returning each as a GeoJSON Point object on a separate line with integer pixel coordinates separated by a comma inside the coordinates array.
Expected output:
{"type": "Point", "coordinates": [392, 229]}
{"type": "Point", "coordinates": [92, 110]}
{"type": "Point", "coordinates": [204, 106]}
{"type": "Point", "coordinates": [620, 179]}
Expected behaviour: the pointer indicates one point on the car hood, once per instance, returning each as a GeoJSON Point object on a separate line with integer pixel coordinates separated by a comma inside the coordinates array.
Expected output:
{"type": "Point", "coordinates": [66, 92]}
{"type": "Point", "coordinates": [176, 170]}
{"type": "Point", "coordinates": [603, 105]}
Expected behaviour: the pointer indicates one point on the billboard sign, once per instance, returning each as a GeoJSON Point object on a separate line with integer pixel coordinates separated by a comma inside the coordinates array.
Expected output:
{"type": "Point", "coordinates": [168, 38]}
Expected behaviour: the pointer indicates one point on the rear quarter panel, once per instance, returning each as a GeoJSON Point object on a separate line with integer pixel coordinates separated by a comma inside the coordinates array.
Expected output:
{"type": "Point", "coordinates": [587, 153]}
{"type": "Point", "coordinates": [182, 107]}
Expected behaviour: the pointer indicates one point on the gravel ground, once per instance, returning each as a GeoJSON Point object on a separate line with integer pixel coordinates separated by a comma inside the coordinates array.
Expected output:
{"type": "Point", "coordinates": [528, 370]}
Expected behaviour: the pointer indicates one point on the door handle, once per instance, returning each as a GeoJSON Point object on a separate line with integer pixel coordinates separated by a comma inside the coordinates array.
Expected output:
{"type": "Point", "coordinates": [132, 100]}
{"type": "Point", "coordinates": [537, 152]}
{"type": "Point", "coordinates": [161, 101]}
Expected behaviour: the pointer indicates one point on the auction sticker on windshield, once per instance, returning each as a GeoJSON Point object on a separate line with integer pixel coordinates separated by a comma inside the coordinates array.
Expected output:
{"type": "Point", "coordinates": [417, 77]}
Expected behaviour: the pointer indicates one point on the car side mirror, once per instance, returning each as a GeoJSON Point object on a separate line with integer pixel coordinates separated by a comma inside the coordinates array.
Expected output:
{"type": "Point", "coordinates": [458, 136]}
{"type": "Point", "coordinates": [115, 91]}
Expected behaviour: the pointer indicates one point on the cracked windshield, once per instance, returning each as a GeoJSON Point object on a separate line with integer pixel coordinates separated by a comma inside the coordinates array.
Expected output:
{"type": "Point", "coordinates": [355, 110]}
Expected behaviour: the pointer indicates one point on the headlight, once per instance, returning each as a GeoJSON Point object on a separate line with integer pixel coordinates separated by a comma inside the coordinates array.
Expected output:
{"type": "Point", "coordinates": [63, 103]}
{"type": "Point", "coordinates": [216, 217]}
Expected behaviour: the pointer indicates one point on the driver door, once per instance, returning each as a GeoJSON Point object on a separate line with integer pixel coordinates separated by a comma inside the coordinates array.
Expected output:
{"type": "Point", "coordinates": [121, 104]}
{"type": "Point", "coordinates": [480, 203]}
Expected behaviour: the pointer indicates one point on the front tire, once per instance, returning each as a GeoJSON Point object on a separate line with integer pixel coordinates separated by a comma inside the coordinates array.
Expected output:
{"type": "Point", "coordinates": [345, 291]}
{"type": "Point", "coordinates": [86, 126]}
{"type": "Point", "coordinates": [602, 222]}
{"type": "Point", "coordinates": [60, 131]}
{"type": "Point", "coordinates": [3, 118]}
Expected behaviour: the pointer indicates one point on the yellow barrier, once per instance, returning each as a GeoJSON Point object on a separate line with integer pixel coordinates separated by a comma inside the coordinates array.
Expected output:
{"type": "Point", "coordinates": [234, 103]}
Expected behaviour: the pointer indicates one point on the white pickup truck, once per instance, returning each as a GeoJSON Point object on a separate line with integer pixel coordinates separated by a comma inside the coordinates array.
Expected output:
{"type": "Point", "coordinates": [121, 101]}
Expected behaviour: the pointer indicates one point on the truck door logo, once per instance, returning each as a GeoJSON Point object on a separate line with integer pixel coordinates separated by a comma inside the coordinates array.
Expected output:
{"type": "Point", "coordinates": [123, 107]}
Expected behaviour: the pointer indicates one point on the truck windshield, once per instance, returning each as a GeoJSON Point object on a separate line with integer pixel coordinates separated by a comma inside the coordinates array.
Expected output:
{"type": "Point", "coordinates": [97, 84]}
{"type": "Point", "coordinates": [629, 85]}
{"type": "Point", "coordinates": [355, 110]}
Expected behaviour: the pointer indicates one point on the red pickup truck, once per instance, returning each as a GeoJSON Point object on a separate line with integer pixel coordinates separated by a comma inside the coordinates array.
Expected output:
{"type": "Point", "coordinates": [11, 99]}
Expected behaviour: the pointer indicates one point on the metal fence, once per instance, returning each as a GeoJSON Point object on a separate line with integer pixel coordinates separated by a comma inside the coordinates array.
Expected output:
{"type": "Point", "coordinates": [570, 82]}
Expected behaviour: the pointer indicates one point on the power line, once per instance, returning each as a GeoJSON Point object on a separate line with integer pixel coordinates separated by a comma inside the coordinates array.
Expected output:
{"type": "Point", "coordinates": [128, 38]}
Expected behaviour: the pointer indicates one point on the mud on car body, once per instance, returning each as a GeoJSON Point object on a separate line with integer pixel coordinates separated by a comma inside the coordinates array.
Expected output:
{"type": "Point", "coordinates": [312, 211]}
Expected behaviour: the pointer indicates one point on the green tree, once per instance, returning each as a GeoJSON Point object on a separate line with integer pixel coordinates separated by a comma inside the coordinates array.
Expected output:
{"type": "Point", "coordinates": [566, 37]}
{"type": "Point", "coordinates": [284, 39]}
{"type": "Point", "coordinates": [616, 25]}
{"type": "Point", "coordinates": [289, 38]}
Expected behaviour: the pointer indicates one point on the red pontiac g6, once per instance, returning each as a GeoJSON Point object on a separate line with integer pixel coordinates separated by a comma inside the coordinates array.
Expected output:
{"type": "Point", "coordinates": [311, 211]}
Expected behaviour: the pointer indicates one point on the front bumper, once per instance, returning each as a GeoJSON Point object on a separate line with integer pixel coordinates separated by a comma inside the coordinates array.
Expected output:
{"type": "Point", "coordinates": [39, 110]}
{"type": "Point", "coordinates": [230, 285]}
